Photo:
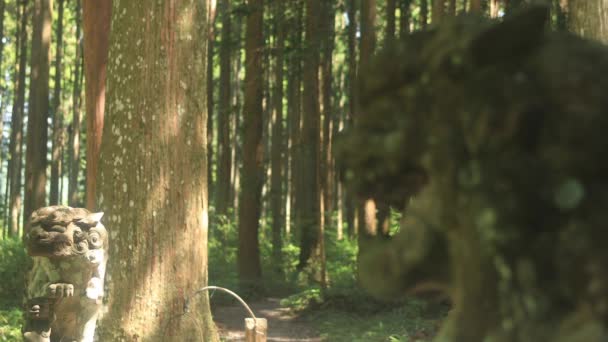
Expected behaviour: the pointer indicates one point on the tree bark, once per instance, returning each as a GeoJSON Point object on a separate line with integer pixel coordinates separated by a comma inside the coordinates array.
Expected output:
{"type": "Point", "coordinates": [349, 201]}
{"type": "Point", "coordinates": [438, 10]}
{"type": "Point", "coordinates": [327, 110]}
{"type": "Point", "coordinates": [389, 35]}
{"type": "Point", "coordinates": [224, 145]}
{"type": "Point", "coordinates": [249, 265]}
{"type": "Point", "coordinates": [494, 8]}
{"type": "Point", "coordinates": [475, 6]}
{"type": "Point", "coordinates": [153, 173]}
{"type": "Point", "coordinates": [312, 252]}
{"type": "Point", "coordinates": [589, 18]}
{"type": "Point", "coordinates": [74, 148]}
{"type": "Point", "coordinates": [367, 208]}
{"type": "Point", "coordinates": [294, 109]}
{"type": "Point", "coordinates": [452, 8]}
{"type": "Point", "coordinates": [424, 13]}
{"type": "Point", "coordinates": [2, 90]}
{"type": "Point", "coordinates": [35, 157]}
{"type": "Point", "coordinates": [96, 24]}
{"type": "Point", "coordinates": [16, 143]}
{"type": "Point", "coordinates": [210, 104]}
{"type": "Point", "coordinates": [277, 148]}
{"type": "Point", "coordinates": [56, 111]}
{"type": "Point", "coordinates": [404, 19]}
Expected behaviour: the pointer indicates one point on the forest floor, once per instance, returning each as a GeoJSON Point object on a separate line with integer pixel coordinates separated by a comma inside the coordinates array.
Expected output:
{"type": "Point", "coordinates": [413, 321]}
{"type": "Point", "coordinates": [283, 324]}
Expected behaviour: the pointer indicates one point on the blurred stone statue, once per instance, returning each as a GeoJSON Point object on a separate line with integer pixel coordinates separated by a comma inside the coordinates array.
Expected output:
{"type": "Point", "coordinates": [65, 287]}
{"type": "Point", "coordinates": [489, 135]}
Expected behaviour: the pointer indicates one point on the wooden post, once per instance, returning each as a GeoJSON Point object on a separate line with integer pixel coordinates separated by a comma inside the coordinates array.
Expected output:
{"type": "Point", "coordinates": [255, 329]}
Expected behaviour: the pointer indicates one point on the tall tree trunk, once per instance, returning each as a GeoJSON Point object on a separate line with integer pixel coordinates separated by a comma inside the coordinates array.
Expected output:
{"type": "Point", "coordinates": [589, 18]}
{"type": "Point", "coordinates": [389, 35]}
{"type": "Point", "coordinates": [367, 208]}
{"type": "Point", "coordinates": [510, 5]}
{"type": "Point", "coordinates": [249, 267]}
{"type": "Point", "coordinates": [452, 8]}
{"type": "Point", "coordinates": [74, 148]}
{"type": "Point", "coordinates": [475, 6]}
{"type": "Point", "coordinates": [56, 111]}
{"type": "Point", "coordinates": [38, 108]}
{"type": "Point", "coordinates": [352, 102]}
{"type": "Point", "coordinates": [96, 23]}
{"type": "Point", "coordinates": [16, 143]}
{"type": "Point", "coordinates": [312, 252]}
{"type": "Point", "coordinates": [236, 118]}
{"type": "Point", "coordinates": [327, 48]}
{"type": "Point", "coordinates": [2, 89]}
{"type": "Point", "coordinates": [424, 13]}
{"type": "Point", "coordinates": [295, 112]}
{"type": "Point", "coordinates": [404, 19]}
{"type": "Point", "coordinates": [210, 104]}
{"type": "Point", "coordinates": [494, 8]}
{"type": "Point", "coordinates": [153, 173]}
{"type": "Point", "coordinates": [293, 109]}
{"type": "Point", "coordinates": [438, 10]}
{"type": "Point", "coordinates": [277, 149]}
{"type": "Point", "coordinates": [224, 143]}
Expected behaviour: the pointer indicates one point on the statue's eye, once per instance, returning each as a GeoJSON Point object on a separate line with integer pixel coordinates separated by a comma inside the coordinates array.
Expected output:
{"type": "Point", "coordinates": [95, 239]}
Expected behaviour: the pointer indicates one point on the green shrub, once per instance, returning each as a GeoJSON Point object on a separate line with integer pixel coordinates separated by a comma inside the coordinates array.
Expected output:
{"type": "Point", "coordinates": [14, 263]}
{"type": "Point", "coordinates": [10, 325]}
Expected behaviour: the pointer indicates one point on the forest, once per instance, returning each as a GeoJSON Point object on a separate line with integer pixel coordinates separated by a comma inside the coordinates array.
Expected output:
{"type": "Point", "coordinates": [344, 170]}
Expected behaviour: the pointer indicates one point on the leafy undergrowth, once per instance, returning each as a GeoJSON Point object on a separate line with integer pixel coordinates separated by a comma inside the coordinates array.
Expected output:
{"type": "Point", "coordinates": [10, 325]}
{"type": "Point", "coordinates": [352, 315]}
{"type": "Point", "coordinates": [13, 264]}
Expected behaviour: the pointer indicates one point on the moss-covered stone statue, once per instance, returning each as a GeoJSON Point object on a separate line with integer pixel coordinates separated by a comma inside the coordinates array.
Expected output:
{"type": "Point", "coordinates": [492, 136]}
{"type": "Point", "coordinates": [65, 287]}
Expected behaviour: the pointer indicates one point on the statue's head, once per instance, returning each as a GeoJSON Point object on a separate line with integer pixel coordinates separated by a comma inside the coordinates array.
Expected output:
{"type": "Point", "coordinates": [61, 231]}
{"type": "Point", "coordinates": [467, 64]}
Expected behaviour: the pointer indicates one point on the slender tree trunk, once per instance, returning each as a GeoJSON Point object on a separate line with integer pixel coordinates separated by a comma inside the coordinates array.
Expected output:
{"type": "Point", "coordinates": [589, 18]}
{"type": "Point", "coordinates": [56, 111]}
{"type": "Point", "coordinates": [16, 143]}
{"type": "Point", "coordinates": [424, 13]}
{"type": "Point", "coordinates": [277, 149]}
{"type": "Point", "coordinates": [2, 89]}
{"type": "Point", "coordinates": [312, 252]}
{"type": "Point", "coordinates": [153, 174]}
{"type": "Point", "coordinates": [295, 113]}
{"type": "Point", "coordinates": [38, 108]}
{"type": "Point", "coordinates": [327, 167]}
{"type": "Point", "coordinates": [438, 10]}
{"type": "Point", "coordinates": [249, 266]}
{"type": "Point", "coordinates": [494, 7]}
{"type": "Point", "coordinates": [452, 8]}
{"type": "Point", "coordinates": [475, 6]}
{"type": "Point", "coordinates": [510, 5]}
{"type": "Point", "coordinates": [210, 105]}
{"type": "Point", "coordinates": [367, 208]}
{"type": "Point", "coordinates": [352, 100]}
{"type": "Point", "coordinates": [235, 119]}
{"type": "Point", "coordinates": [561, 12]}
{"type": "Point", "coordinates": [74, 160]}
{"type": "Point", "coordinates": [96, 24]}
{"type": "Point", "coordinates": [293, 109]}
{"type": "Point", "coordinates": [404, 19]}
{"type": "Point", "coordinates": [391, 7]}
{"type": "Point", "coordinates": [224, 145]}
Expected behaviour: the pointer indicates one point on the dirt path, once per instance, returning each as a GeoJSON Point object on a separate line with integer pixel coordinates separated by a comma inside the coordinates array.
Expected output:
{"type": "Point", "coordinates": [283, 326]}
